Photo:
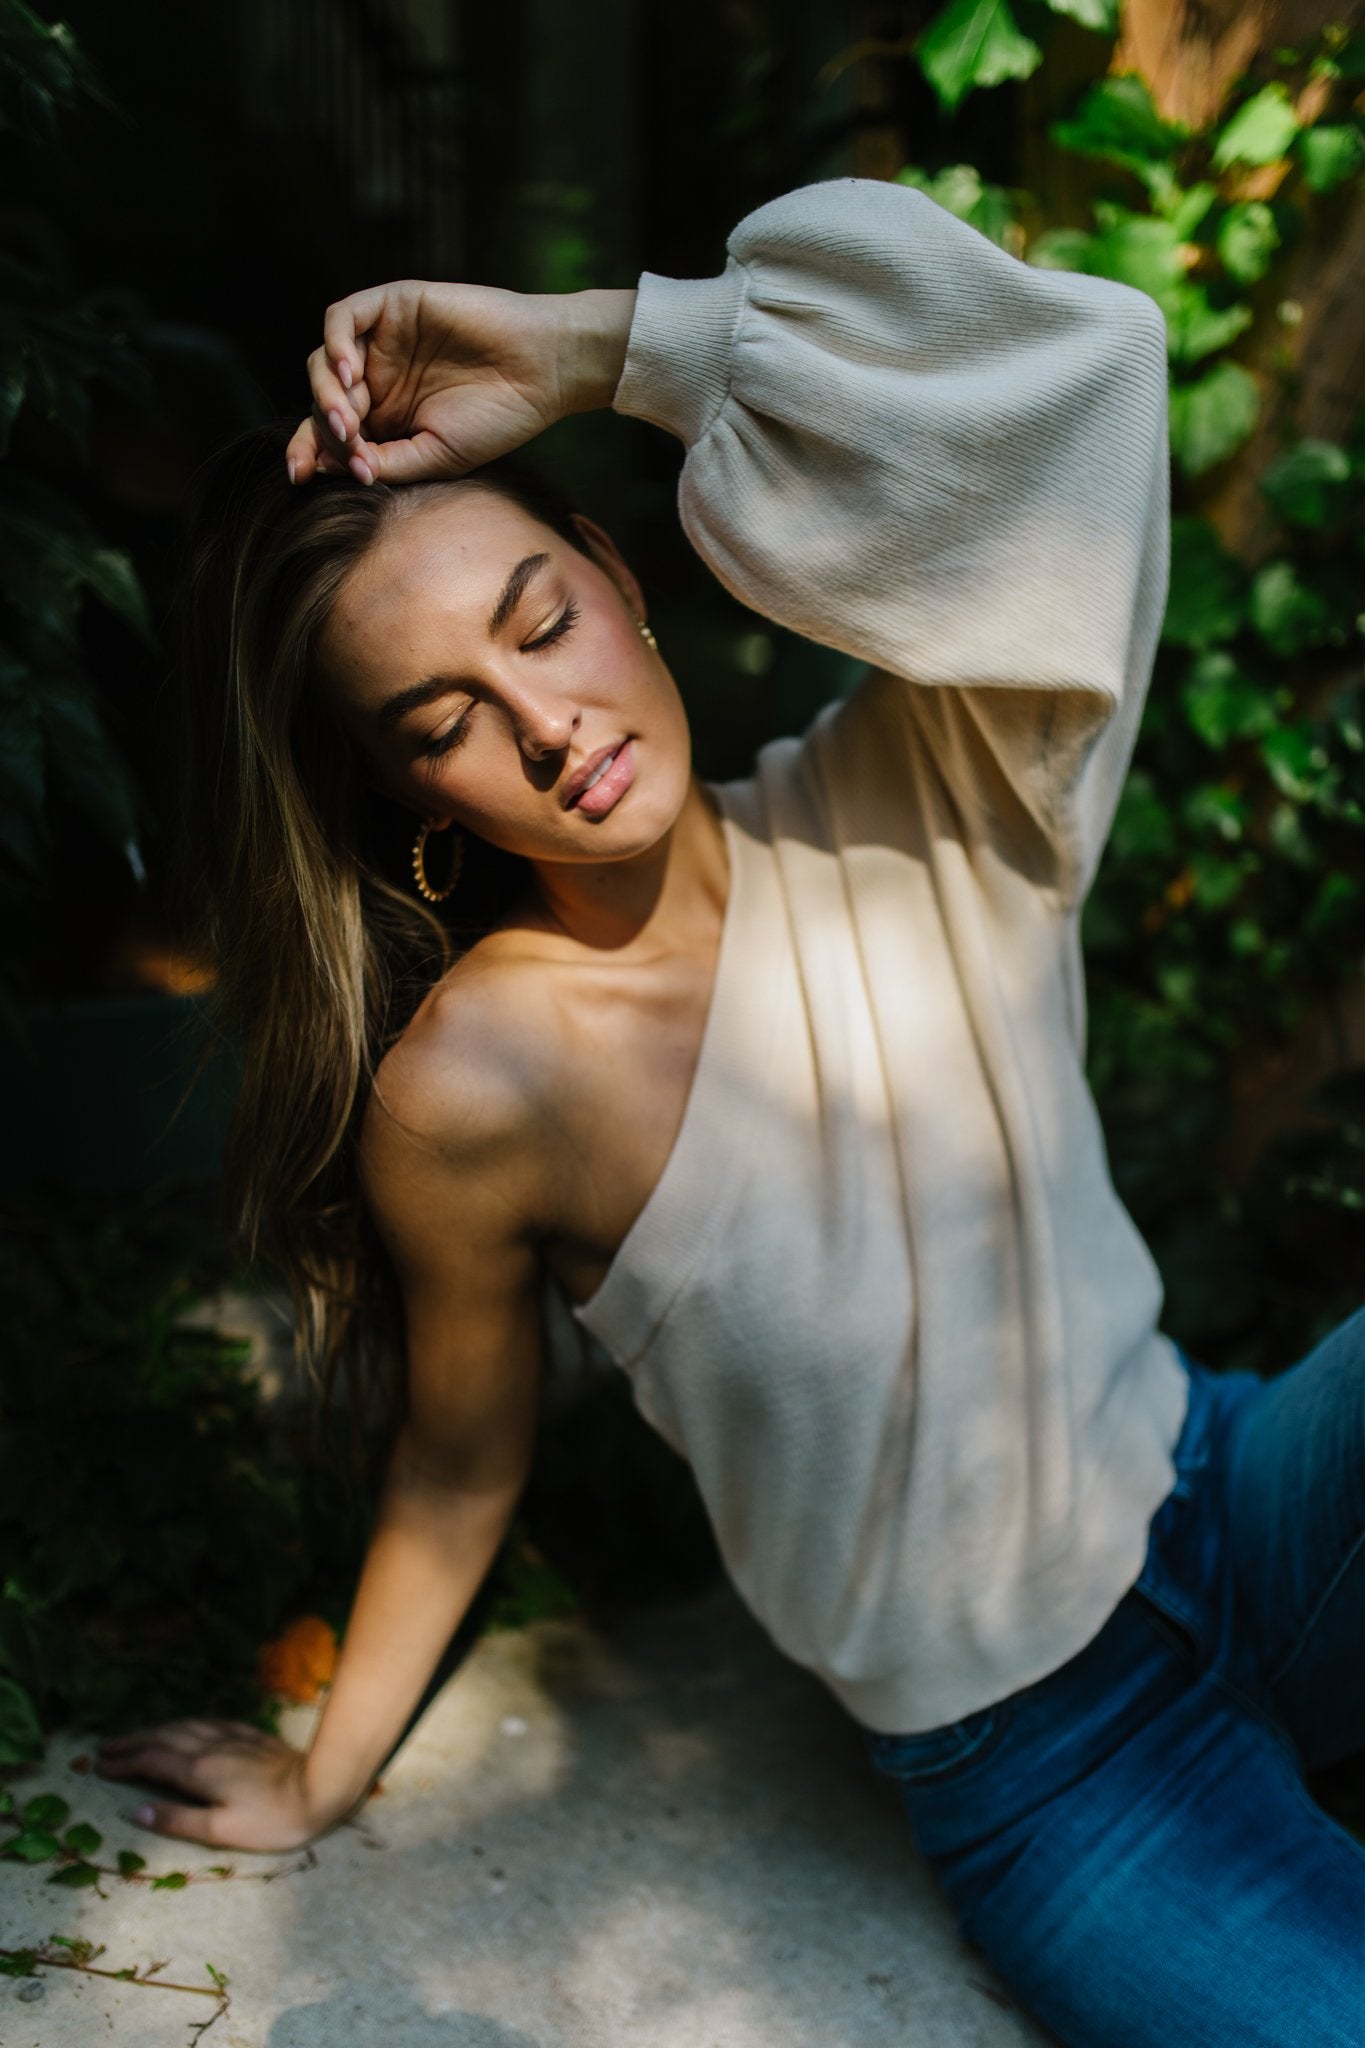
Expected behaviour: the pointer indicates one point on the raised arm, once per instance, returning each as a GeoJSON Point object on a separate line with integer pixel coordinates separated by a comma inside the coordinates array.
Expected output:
{"type": "Point", "coordinates": [913, 447]}
{"type": "Point", "coordinates": [901, 442]}
{"type": "Point", "coordinates": [436, 1182]}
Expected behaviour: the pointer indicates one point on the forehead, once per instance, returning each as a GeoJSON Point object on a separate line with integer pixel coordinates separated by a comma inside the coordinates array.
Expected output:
{"type": "Point", "coordinates": [452, 550]}
{"type": "Point", "coordinates": [436, 569]}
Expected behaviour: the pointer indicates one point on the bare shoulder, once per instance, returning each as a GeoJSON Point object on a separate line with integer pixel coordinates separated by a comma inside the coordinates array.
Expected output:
{"type": "Point", "coordinates": [450, 1168]}
{"type": "Point", "coordinates": [459, 1099]}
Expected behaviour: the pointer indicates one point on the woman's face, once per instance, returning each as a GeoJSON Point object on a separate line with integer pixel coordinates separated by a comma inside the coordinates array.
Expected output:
{"type": "Point", "coordinates": [483, 664]}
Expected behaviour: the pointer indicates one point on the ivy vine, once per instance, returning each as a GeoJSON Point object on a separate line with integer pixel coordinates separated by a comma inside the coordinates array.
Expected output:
{"type": "Point", "coordinates": [1231, 900]}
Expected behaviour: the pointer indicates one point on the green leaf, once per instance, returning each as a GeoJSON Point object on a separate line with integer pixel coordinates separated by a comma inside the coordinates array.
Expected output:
{"type": "Point", "coordinates": [1136, 249]}
{"type": "Point", "coordinates": [82, 1838]}
{"type": "Point", "coordinates": [960, 190]}
{"type": "Point", "coordinates": [47, 1810]}
{"type": "Point", "coordinates": [88, 767]}
{"type": "Point", "coordinates": [173, 1881]}
{"type": "Point", "coordinates": [1296, 760]}
{"type": "Point", "coordinates": [1330, 155]}
{"type": "Point", "coordinates": [1223, 703]}
{"type": "Point", "coordinates": [1308, 483]}
{"type": "Point", "coordinates": [1285, 612]}
{"type": "Point", "coordinates": [22, 1962]}
{"type": "Point", "coordinates": [1117, 122]}
{"type": "Point", "coordinates": [1350, 57]}
{"type": "Point", "coordinates": [32, 1845]}
{"type": "Point", "coordinates": [1196, 329]}
{"type": "Point", "coordinates": [1216, 879]}
{"type": "Point", "coordinates": [75, 1875]}
{"type": "Point", "coordinates": [1212, 417]}
{"type": "Point", "coordinates": [974, 43]}
{"type": "Point", "coordinates": [1247, 240]}
{"type": "Point", "coordinates": [21, 1739]}
{"type": "Point", "coordinates": [111, 575]}
{"type": "Point", "coordinates": [1260, 131]}
{"type": "Point", "coordinates": [129, 1863]}
{"type": "Point", "coordinates": [1061, 249]}
{"type": "Point", "coordinates": [1188, 209]}
{"type": "Point", "coordinates": [1214, 809]}
{"type": "Point", "coordinates": [1101, 15]}
{"type": "Point", "coordinates": [1207, 597]}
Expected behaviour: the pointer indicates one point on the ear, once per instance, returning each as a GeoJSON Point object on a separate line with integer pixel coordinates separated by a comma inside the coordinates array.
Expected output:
{"type": "Point", "coordinates": [611, 561]}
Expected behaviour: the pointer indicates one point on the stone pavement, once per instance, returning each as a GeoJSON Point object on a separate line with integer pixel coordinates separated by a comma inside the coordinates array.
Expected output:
{"type": "Point", "coordinates": [656, 1835]}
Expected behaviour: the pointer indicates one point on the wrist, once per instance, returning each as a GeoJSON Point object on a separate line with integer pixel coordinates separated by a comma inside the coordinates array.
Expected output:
{"type": "Point", "coordinates": [328, 1793]}
{"type": "Point", "coordinates": [594, 331]}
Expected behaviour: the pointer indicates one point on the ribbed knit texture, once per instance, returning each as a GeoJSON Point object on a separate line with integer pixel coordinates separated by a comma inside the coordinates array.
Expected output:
{"type": "Point", "coordinates": [885, 1298]}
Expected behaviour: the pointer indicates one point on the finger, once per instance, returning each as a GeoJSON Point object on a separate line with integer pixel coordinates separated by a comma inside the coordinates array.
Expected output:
{"type": "Point", "coordinates": [343, 327]}
{"type": "Point", "coordinates": [311, 452]}
{"type": "Point", "coordinates": [165, 1733]}
{"type": "Point", "coordinates": [302, 457]}
{"type": "Point", "coordinates": [331, 401]}
{"type": "Point", "coordinates": [182, 1823]}
{"type": "Point", "coordinates": [409, 461]}
{"type": "Point", "coordinates": [160, 1764]}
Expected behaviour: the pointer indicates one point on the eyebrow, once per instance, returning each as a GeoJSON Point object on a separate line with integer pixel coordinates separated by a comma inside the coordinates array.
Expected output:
{"type": "Point", "coordinates": [510, 596]}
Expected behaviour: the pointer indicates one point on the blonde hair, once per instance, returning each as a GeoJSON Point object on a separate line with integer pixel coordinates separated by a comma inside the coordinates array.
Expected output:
{"type": "Point", "coordinates": [289, 871]}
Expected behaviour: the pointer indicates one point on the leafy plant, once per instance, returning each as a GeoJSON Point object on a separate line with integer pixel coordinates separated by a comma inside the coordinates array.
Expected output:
{"type": "Point", "coordinates": [1231, 899]}
{"type": "Point", "coordinates": [154, 1530]}
{"type": "Point", "coordinates": [55, 745]}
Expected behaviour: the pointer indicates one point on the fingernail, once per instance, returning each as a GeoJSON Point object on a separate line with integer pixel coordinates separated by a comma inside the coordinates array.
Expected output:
{"type": "Point", "coordinates": [361, 468]}
{"type": "Point", "coordinates": [337, 424]}
{"type": "Point", "coordinates": [344, 372]}
{"type": "Point", "coordinates": [143, 1815]}
{"type": "Point", "coordinates": [290, 466]}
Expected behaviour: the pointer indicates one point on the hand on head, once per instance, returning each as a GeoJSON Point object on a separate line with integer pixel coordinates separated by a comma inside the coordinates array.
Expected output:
{"type": "Point", "coordinates": [416, 381]}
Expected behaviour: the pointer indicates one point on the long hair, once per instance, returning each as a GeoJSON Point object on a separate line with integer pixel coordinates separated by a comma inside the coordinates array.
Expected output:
{"type": "Point", "coordinates": [290, 874]}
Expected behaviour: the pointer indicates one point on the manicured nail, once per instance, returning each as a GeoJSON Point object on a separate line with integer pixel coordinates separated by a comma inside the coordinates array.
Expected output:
{"type": "Point", "coordinates": [337, 424]}
{"type": "Point", "coordinates": [361, 468]}
{"type": "Point", "coordinates": [143, 1815]}
{"type": "Point", "coordinates": [344, 372]}
{"type": "Point", "coordinates": [291, 466]}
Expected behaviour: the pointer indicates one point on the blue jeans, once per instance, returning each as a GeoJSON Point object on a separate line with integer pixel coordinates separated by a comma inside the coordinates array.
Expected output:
{"type": "Point", "coordinates": [1130, 1841]}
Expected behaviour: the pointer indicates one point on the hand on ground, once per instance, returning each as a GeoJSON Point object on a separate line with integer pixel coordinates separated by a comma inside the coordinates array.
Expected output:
{"type": "Point", "coordinates": [252, 1784]}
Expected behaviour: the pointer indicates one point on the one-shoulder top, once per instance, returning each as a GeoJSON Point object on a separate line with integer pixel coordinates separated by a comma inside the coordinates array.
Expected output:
{"type": "Point", "coordinates": [885, 1298]}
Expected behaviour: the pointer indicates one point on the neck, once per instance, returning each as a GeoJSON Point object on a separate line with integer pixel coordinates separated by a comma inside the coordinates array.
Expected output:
{"type": "Point", "coordinates": [666, 896]}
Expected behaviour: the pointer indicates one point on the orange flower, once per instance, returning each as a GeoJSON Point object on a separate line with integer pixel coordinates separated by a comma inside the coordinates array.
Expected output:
{"type": "Point", "coordinates": [300, 1661]}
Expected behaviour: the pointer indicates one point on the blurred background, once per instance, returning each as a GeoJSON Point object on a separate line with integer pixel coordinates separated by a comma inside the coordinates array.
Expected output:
{"type": "Point", "coordinates": [183, 192]}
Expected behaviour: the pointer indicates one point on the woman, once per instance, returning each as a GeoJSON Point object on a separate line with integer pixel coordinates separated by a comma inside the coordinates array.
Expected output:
{"type": "Point", "coordinates": [782, 1082]}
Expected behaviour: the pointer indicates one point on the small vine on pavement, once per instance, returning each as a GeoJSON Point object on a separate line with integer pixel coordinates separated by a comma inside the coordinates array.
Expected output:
{"type": "Point", "coordinates": [71, 1952]}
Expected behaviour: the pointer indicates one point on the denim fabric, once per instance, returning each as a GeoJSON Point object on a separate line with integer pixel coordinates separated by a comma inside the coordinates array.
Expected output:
{"type": "Point", "coordinates": [1130, 1841]}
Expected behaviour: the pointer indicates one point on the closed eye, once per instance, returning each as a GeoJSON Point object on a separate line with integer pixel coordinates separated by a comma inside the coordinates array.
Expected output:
{"type": "Point", "coordinates": [562, 625]}
{"type": "Point", "coordinates": [453, 736]}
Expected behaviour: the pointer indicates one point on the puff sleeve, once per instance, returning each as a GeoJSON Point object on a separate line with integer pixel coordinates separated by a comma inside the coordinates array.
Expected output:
{"type": "Point", "coordinates": [905, 443]}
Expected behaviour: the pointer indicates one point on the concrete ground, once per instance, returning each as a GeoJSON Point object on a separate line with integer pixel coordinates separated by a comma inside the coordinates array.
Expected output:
{"type": "Point", "coordinates": [661, 1836]}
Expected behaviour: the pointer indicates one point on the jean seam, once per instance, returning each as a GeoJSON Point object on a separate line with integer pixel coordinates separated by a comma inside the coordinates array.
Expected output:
{"type": "Point", "coordinates": [933, 1774]}
{"type": "Point", "coordinates": [1260, 1712]}
{"type": "Point", "coordinates": [1318, 1607]}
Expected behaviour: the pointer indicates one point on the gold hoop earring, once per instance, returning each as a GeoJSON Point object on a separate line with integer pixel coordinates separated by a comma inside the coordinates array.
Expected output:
{"type": "Point", "coordinates": [419, 872]}
{"type": "Point", "coordinates": [647, 636]}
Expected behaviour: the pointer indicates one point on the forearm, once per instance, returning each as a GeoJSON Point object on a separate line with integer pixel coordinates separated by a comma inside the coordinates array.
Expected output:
{"type": "Point", "coordinates": [432, 1546]}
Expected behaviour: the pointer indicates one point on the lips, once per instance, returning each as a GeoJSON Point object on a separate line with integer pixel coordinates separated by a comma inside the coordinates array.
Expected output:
{"type": "Point", "coordinates": [590, 772]}
{"type": "Point", "coordinates": [603, 780]}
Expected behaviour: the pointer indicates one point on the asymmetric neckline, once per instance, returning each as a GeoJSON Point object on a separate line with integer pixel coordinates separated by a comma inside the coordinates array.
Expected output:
{"type": "Point", "coordinates": [679, 1220]}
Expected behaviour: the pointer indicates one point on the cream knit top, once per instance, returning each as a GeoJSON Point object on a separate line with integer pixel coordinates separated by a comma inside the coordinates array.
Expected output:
{"type": "Point", "coordinates": [884, 1297]}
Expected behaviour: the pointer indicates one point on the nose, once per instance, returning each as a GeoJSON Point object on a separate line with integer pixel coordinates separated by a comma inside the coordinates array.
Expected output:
{"type": "Point", "coordinates": [544, 729]}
